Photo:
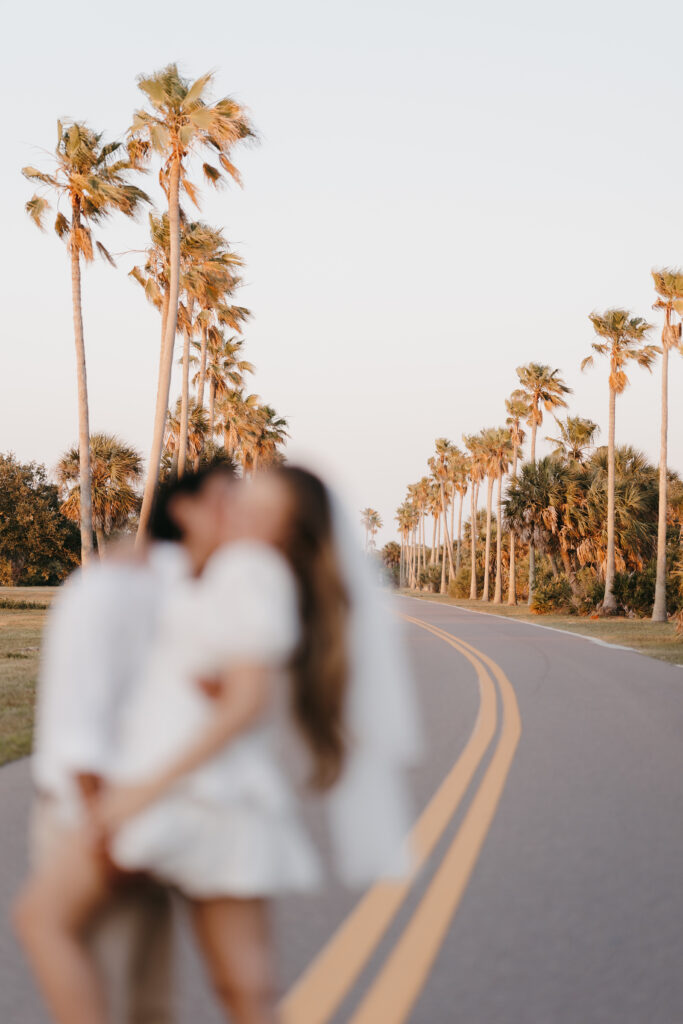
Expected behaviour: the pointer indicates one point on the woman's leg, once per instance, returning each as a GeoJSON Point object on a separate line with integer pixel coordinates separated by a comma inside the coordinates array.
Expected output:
{"type": "Point", "coordinates": [234, 935]}
{"type": "Point", "coordinates": [50, 914]}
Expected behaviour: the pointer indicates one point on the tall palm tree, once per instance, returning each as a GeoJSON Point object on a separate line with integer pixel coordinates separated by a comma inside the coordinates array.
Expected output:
{"type": "Point", "coordinates": [517, 408]}
{"type": "Point", "coordinates": [237, 418]}
{"type": "Point", "coordinates": [403, 517]}
{"type": "Point", "coordinates": [372, 521]}
{"type": "Point", "coordinates": [544, 389]}
{"type": "Point", "coordinates": [224, 369]}
{"type": "Point", "coordinates": [477, 472]}
{"type": "Point", "coordinates": [420, 493]}
{"type": "Point", "coordinates": [211, 320]}
{"type": "Point", "coordinates": [623, 337]}
{"type": "Point", "coordinates": [500, 452]}
{"type": "Point", "coordinates": [459, 476]}
{"type": "Point", "coordinates": [576, 438]}
{"type": "Point", "coordinates": [178, 122]}
{"type": "Point", "coordinates": [488, 440]}
{"type": "Point", "coordinates": [208, 277]}
{"type": "Point", "coordinates": [669, 287]}
{"type": "Point", "coordinates": [440, 468]}
{"type": "Point", "coordinates": [116, 471]}
{"type": "Point", "coordinates": [196, 431]}
{"type": "Point", "coordinates": [270, 438]}
{"type": "Point", "coordinates": [92, 179]}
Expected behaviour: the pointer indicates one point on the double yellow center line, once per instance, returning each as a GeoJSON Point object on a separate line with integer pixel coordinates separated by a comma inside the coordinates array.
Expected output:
{"type": "Point", "coordinates": [319, 992]}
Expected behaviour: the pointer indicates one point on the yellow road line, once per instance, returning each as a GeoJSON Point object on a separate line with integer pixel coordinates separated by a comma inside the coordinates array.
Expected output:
{"type": "Point", "coordinates": [317, 994]}
{"type": "Point", "coordinates": [397, 987]}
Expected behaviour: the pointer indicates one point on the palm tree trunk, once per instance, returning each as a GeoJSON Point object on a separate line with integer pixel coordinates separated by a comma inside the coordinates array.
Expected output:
{"type": "Point", "coordinates": [532, 551]}
{"type": "Point", "coordinates": [512, 582]}
{"type": "Point", "coordinates": [85, 482]}
{"type": "Point", "coordinates": [659, 607]}
{"type": "Point", "coordinates": [487, 557]}
{"type": "Point", "coordinates": [101, 541]}
{"type": "Point", "coordinates": [413, 574]}
{"type": "Point", "coordinates": [167, 346]}
{"type": "Point", "coordinates": [202, 368]}
{"type": "Point", "coordinates": [473, 545]}
{"type": "Point", "coordinates": [184, 406]}
{"type": "Point", "coordinates": [498, 594]}
{"type": "Point", "coordinates": [446, 541]}
{"type": "Point", "coordinates": [432, 558]}
{"type": "Point", "coordinates": [458, 553]}
{"type": "Point", "coordinates": [451, 571]}
{"type": "Point", "coordinates": [569, 570]}
{"type": "Point", "coordinates": [609, 603]}
{"type": "Point", "coordinates": [212, 409]}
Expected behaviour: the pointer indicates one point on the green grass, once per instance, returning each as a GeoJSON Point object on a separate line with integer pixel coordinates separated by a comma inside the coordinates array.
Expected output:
{"type": "Point", "coordinates": [22, 614]}
{"type": "Point", "coordinates": [656, 639]}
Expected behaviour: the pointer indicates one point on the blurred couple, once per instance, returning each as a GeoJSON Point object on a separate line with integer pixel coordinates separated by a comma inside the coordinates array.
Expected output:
{"type": "Point", "coordinates": [192, 693]}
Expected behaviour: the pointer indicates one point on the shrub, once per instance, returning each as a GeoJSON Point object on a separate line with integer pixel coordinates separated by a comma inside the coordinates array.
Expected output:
{"type": "Point", "coordinates": [460, 586]}
{"type": "Point", "coordinates": [591, 591]}
{"type": "Point", "coordinates": [430, 577]}
{"type": "Point", "coordinates": [635, 591]}
{"type": "Point", "coordinates": [551, 594]}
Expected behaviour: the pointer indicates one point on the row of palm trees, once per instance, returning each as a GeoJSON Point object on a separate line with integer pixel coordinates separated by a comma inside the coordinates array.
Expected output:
{"type": "Point", "coordinates": [189, 274]}
{"type": "Point", "coordinates": [372, 523]}
{"type": "Point", "coordinates": [493, 453]}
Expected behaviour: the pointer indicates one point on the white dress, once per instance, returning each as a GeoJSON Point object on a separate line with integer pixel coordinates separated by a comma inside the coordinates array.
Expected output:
{"type": "Point", "coordinates": [231, 827]}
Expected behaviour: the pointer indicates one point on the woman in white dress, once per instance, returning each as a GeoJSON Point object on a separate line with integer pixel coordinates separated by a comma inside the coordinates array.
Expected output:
{"type": "Point", "coordinates": [198, 798]}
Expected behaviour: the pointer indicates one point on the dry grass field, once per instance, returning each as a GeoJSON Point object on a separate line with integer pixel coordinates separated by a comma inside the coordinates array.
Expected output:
{"type": "Point", "coordinates": [20, 633]}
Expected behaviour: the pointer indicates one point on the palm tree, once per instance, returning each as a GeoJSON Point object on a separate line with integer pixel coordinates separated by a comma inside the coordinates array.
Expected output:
{"type": "Point", "coordinates": [372, 522]}
{"type": "Point", "coordinates": [669, 288]}
{"type": "Point", "coordinates": [207, 278]}
{"type": "Point", "coordinates": [623, 336]}
{"type": "Point", "coordinates": [270, 437]}
{"type": "Point", "coordinates": [178, 123]}
{"type": "Point", "coordinates": [116, 469]}
{"type": "Point", "coordinates": [224, 369]}
{"type": "Point", "coordinates": [404, 514]}
{"type": "Point", "coordinates": [211, 321]}
{"type": "Point", "coordinates": [92, 179]}
{"type": "Point", "coordinates": [487, 444]}
{"type": "Point", "coordinates": [500, 452]}
{"type": "Point", "coordinates": [517, 408]}
{"type": "Point", "coordinates": [544, 389]}
{"type": "Point", "coordinates": [477, 471]}
{"type": "Point", "coordinates": [459, 476]}
{"type": "Point", "coordinates": [576, 438]}
{"type": "Point", "coordinates": [195, 432]}
{"type": "Point", "coordinates": [420, 495]}
{"type": "Point", "coordinates": [237, 417]}
{"type": "Point", "coordinates": [440, 468]}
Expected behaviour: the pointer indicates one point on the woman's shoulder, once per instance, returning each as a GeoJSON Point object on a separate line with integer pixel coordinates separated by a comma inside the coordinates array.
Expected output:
{"type": "Point", "coordinates": [249, 561]}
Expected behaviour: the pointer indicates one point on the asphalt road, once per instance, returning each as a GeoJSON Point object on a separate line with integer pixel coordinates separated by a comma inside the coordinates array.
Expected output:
{"type": "Point", "coordinates": [551, 888]}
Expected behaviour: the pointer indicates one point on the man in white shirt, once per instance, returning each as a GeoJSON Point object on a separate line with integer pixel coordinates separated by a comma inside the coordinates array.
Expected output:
{"type": "Point", "coordinates": [99, 633]}
{"type": "Point", "coordinates": [97, 637]}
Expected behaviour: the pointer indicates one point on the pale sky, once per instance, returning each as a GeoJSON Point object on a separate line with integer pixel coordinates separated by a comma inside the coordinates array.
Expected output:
{"type": "Point", "coordinates": [443, 191]}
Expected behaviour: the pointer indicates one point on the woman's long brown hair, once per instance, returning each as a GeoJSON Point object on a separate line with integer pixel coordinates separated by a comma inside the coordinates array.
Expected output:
{"type": "Point", "coordinates": [320, 662]}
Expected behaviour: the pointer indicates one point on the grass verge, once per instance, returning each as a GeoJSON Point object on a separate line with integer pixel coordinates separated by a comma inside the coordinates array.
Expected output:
{"type": "Point", "coordinates": [22, 614]}
{"type": "Point", "coordinates": [656, 639]}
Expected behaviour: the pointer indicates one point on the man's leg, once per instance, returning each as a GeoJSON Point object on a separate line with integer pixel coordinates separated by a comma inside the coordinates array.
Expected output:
{"type": "Point", "coordinates": [130, 938]}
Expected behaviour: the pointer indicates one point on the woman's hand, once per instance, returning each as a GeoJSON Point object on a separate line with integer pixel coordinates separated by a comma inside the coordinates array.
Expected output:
{"type": "Point", "coordinates": [117, 804]}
